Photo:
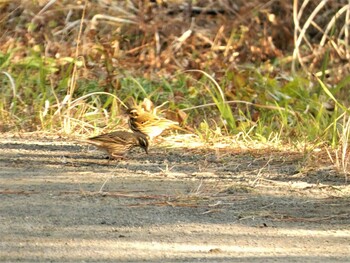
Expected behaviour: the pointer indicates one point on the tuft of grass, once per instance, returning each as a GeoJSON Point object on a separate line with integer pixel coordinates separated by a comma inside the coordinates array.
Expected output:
{"type": "Point", "coordinates": [253, 103]}
{"type": "Point", "coordinates": [290, 109]}
{"type": "Point", "coordinates": [340, 130]}
{"type": "Point", "coordinates": [218, 96]}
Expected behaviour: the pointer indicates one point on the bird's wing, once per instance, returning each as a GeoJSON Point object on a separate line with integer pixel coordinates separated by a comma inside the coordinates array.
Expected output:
{"type": "Point", "coordinates": [114, 137]}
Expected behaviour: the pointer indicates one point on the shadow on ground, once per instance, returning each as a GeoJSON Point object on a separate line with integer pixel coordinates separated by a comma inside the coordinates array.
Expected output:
{"type": "Point", "coordinates": [64, 201]}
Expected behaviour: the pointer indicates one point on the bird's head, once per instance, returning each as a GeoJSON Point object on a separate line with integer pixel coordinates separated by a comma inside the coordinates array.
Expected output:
{"type": "Point", "coordinates": [143, 141]}
{"type": "Point", "coordinates": [132, 112]}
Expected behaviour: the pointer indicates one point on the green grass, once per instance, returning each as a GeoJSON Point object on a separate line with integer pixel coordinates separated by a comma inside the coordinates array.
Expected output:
{"type": "Point", "coordinates": [35, 97]}
{"type": "Point", "coordinates": [259, 102]}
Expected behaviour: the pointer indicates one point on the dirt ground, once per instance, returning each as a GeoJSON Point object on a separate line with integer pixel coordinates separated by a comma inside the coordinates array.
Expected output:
{"type": "Point", "coordinates": [64, 202]}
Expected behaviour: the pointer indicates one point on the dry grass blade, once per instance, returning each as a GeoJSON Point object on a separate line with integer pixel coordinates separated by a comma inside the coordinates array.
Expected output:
{"type": "Point", "coordinates": [298, 38]}
{"type": "Point", "coordinates": [331, 24]}
{"type": "Point", "coordinates": [94, 20]}
{"type": "Point", "coordinates": [72, 84]}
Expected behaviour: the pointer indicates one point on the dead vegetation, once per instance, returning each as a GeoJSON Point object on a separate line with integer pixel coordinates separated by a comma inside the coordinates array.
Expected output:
{"type": "Point", "coordinates": [162, 37]}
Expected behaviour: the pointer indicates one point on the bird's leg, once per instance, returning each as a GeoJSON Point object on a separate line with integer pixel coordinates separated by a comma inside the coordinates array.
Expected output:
{"type": "Point", "coordinates": [117, 156]}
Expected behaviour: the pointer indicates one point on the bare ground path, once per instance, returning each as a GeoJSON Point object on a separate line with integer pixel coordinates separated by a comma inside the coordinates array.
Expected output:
{"type": "Point", "coordinates": [62, 202]}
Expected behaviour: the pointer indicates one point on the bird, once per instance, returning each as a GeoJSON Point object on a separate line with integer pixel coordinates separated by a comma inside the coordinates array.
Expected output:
{"type": "Point", "coordinates": [118, 143]}
{"type": "Point", "coordinates": [147, 123]}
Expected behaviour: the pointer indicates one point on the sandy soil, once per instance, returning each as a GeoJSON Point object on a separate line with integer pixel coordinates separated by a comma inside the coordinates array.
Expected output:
{"type": "Point", "coordinates": [64, 202]}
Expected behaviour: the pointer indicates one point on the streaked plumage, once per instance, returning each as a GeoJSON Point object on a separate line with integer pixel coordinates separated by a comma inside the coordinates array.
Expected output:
{"type": "Point", "coordinates": [118, 143]}
{"type": "Point", "coordinates": [148, 123]}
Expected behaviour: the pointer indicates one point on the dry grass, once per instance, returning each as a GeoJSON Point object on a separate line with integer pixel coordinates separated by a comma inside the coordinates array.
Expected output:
{"type": "Point", "coordinates": [72, 67]}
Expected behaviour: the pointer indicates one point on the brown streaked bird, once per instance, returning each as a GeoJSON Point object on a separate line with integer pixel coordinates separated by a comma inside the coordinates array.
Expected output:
{"type": "Point", "coordinates": [118, 143]}
{"type": "Point", "coordinates": [148, 123]}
